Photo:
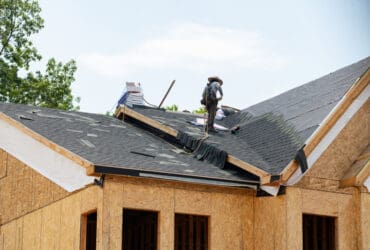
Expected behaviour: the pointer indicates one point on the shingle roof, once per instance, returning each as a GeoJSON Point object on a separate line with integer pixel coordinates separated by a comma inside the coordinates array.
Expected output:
{"type": "Point", "coordinates": [272, 131]}
{"type": "Point", "coordinates": [109, 142]}
{"type": "Point", "coordinates": [306, 106]}
{"type": "Point", "coordinates": [270, 134]}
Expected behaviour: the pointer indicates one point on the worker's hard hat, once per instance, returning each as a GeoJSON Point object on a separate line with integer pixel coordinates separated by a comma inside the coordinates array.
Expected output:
{"type": "Point", "coordinates": [215, 79]}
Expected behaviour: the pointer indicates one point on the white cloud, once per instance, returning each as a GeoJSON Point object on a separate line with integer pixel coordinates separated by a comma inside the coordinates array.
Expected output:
{"type": "Point", "coordinates": [189, 46]}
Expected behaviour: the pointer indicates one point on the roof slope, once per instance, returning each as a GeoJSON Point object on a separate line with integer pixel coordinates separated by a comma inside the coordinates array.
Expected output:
{"type": "Point", "coordinates": [108, 142]}
{"type": "Point", "coordinates": [306, 106]}
{"type": "Point", "coordinates": [272, 131]}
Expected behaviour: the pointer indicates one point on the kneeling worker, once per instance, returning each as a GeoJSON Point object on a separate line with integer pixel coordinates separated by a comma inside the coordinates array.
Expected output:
{"type": "Point", "coordinates": [210, 100]}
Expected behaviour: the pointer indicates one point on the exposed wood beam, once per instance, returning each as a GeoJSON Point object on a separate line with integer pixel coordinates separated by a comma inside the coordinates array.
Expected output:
{"type": "Point", "coordinates": [264, 176]}
{"type": "Point", "coordinates": [53, 146]}
{"type": "Point", "coordinates": [129, 112]}
{"type": "Point", "coordinates": [359, 178]}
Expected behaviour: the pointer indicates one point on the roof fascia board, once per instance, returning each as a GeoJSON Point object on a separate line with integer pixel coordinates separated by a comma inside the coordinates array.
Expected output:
{"type": "Point", "coordinates": [100, 170]}
{"type": "Point", "coordinates": [264, 176]}
{"type": "Point", "coordinates": [56, 167]}
{"type": "Point", "coordinates": [338, 118]}
{"type": "Point", "coordinates": [53, 146]}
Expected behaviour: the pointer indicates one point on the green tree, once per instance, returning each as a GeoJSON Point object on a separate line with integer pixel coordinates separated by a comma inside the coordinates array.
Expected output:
{"type": "Point", "coordinates": [173, 107]}
{"type": "Point", "coordinates": [19, 19]}
{"type": "Point", "coordinates": [201, 110]}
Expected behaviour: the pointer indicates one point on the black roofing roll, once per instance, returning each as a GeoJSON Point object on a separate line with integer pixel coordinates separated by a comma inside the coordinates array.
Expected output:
{"type": "Point", "coordinates": [203, 150]}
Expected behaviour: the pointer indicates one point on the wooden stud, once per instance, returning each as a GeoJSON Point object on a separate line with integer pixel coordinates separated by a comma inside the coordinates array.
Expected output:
{"type": "Point", "coordinates": [53, 146]}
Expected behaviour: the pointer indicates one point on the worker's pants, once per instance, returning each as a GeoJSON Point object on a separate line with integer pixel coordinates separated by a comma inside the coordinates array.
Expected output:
{"type": "Point", "coordinates": [211, 109]}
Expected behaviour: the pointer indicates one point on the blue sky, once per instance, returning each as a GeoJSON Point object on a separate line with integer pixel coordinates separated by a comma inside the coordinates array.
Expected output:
{"type": "Point", "coordinates": [259, 48]}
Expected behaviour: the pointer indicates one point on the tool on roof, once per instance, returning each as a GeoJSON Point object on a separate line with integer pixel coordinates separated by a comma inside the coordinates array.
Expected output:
{"type": "Point", "coordinates": [168, 91]}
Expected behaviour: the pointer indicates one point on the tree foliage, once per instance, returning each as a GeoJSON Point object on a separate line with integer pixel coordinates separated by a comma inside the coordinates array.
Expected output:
{"type": "Point", "coordinates": [19, 19]}
{"type": "Point", "coordinates": [201, 110]}
{"type": "Point", "coordinates": [173, 107]}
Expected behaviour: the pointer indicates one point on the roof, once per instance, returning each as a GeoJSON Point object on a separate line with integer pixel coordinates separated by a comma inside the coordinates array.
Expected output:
{"type": "Point", "coordinates": [306, 106]}
{"type": "Point", "coordinates": [155, 143]}
{"type": "Point", "coordinates": [271, 132]}
{"type": "Point", "coordinates": [110, 144]}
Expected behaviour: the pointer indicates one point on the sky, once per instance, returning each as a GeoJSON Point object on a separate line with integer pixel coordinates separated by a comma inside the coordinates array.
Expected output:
{"type": "Point", "coordinates": [258, 48]}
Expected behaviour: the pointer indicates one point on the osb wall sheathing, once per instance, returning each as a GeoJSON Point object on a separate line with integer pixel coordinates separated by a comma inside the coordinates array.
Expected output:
{"type": "Point", "coordinates": [230, 210]}
{"type": "Point", "coordinates": [340, 155]}
{"type": "Point", "coordinates": [365, 220]}
{"type": "Point", "coordinates": [278, 220]}
{"type": "Point", "coordinates": [22, 189]}
{"type": "Point", "coordinates": [55, 226]}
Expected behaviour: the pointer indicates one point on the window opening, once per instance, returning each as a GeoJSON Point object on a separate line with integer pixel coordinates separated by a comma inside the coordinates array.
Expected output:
{"type": "Point", "coordinates": [191, 232]}
{"type": "Point", "coordinates": [139, 230]}
{"type": "Point", "coordinates": [318, 232]}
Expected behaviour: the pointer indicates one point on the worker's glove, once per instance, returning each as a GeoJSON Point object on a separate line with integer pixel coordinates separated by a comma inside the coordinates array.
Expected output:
{"type": "Point", "coordinates": [219, 99]}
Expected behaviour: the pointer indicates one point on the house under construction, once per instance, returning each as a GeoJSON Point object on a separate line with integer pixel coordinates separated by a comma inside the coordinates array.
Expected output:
{"type": "Point", "coordinates": [295, 175]}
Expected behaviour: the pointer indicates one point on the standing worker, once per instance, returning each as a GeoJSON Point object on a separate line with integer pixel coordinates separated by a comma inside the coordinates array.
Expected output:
{"type": "Point", "coordinates": [210, 100]}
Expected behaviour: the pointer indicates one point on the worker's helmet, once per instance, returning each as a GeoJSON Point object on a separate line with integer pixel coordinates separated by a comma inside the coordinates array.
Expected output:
{"type": "Point", "coordinates": [215, 79]}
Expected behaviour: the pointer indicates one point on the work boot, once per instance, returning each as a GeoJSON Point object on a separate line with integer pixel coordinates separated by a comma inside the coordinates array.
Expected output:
{"type": "Point", "coordinates": [212, 130]}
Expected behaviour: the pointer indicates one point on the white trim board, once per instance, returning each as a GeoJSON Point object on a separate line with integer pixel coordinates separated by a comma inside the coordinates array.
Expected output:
{"type": "Point", "coordinates": [367, 184]}
{"type": "Point", "coordinates": [54, 166]}
{"type": "Point", "coordinates": [332, 133]}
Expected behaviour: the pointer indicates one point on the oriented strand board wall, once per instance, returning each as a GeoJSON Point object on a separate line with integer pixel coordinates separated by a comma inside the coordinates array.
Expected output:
{"type": "Point", "coordinates": [22, 189]}
{"type": "Point", "coordinates": [345, 149]}
{"type": "Point", "coordinates": [56, 226]}
{"type": "Point", "coordinates": [365, 220]}
{"type": "Point", "coordinates": [270, 222]}
{"type": "Point", "coordinates": [278, 220]}
{"type": "Point", "coordinates": [230, 210]}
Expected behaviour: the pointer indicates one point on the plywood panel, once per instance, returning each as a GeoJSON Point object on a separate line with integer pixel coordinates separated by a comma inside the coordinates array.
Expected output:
{"type": "Point", "coordinates": [114, 193]}
{"type": "Point", "coordinates": [346, 148]}
{"type": "Point", "coordinates": [50, 226]}
{"type": "Point", "coordinates": [7, 234]}
{"type": "Point", "coordinates": [247, 217]}
{"type": "Point", "coordinates": [200, 202]}
{"type": "Point", "coordinates": [3, 163]}
{"type": "Point", "coordinates": [32, 231]}
{"type": "Point", "coordinates": [365, 220]}
{"type": "Point", "coordinates": [23, 190]}
{"type": "Point", "coordinates": [270, 223]}
{"type": "Point", "coordinates": [294, 218]}
{"type": "Point", "coordinates": [226, 223]}
{"type": "Point", "coordinates": [70, 215]}
{"type": "Point", "coordinates": [320, 203]}
{"type": "Point", "coordinates": [347, 231]}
